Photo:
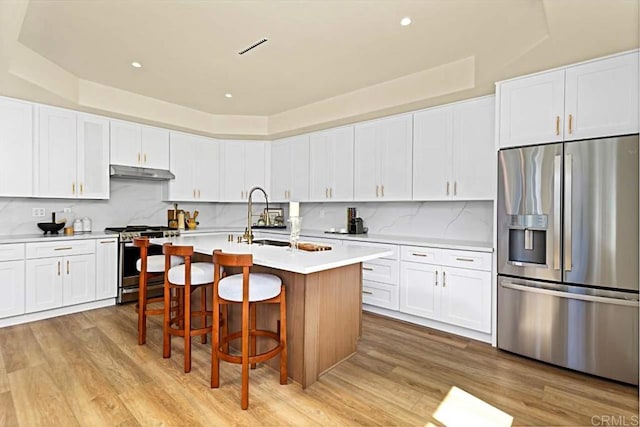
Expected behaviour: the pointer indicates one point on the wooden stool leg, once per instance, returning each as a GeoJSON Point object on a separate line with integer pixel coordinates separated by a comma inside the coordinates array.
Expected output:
{"type": "Point", "coordinates": [166, 337]}
{"type": "Point", "coordinates": [142, 309]}
{"type": "Point", "coordinates": [283, 337]}
{"type": "Point", "coordinates": [225, 326]}
{"type": "Point", "coordinates": [244, 401]}
{"type": "Point", "coordinates": [215, 343]}
{"type": "Point", "coordinates": [252, 337]}
{"type": "Point", "coordinates": [187, 328]}
{"type": "Point", "coordinates": [203, 309]}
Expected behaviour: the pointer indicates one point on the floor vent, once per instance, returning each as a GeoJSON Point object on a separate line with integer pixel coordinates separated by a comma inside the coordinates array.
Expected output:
{"type": "Point", "coordinates": [253, 46]}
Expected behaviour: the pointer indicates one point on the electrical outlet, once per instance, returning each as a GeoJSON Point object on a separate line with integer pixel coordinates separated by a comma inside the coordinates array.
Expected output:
{"type": "Point", "coordinates": [37, 212]}
{"type": "Point", "coordinates": [67, 210]}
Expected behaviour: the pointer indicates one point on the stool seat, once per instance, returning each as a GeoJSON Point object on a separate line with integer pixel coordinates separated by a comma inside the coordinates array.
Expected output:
{"type": "Point", "coordinates": [155, 263]}
{"type": "Point", "coordinates": [201, 273]}
{"type": "Point", "coordinates": [262, 287]}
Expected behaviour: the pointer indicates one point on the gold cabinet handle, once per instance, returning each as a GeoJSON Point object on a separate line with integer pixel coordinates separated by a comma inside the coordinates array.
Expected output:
{"type": "Point", "coordinates": [67, 267]}
{"type": "Point", "coordinates": [145, 158]}
{"type": "Point", "coordinates": [367, 292]}
{"type": "Point", "coordinates": [444, 279]}
{"type": "Point", "coordinates": [377, 190]}
{"type": "Point", "coordinates": [81, 188]}
{"type": "Point", "coordinates": [58, 268]}
{"type": "Point", "coordinates": [382, 191]}
{"type": "Point", "coordinates": [194, 193]}
{"type": "Point", "coordinates": [66, 248]}
{"type": "Point", "coordinates": [557, 125]}
{"type": "Point", "coordinates": [73, 188]}
{"type": "Point", "coordinates": [465, 259]}
{"type": "Point", "coordinates": [107, 241]}
{"type": "Point", "coordinates": [326, 193]}
{"type": "Point", "coordinates": [570, 123]}
{"type": "Point", "coordinates": [455, 188]}
{"type": "Point", "coordinates": [198, 194]}
{"type": "Point", "coordinates": [418, 254]}
{"type": "Point", "coordinates": [447, 188]}
{"type": "Point", "coordinates": [138, 158]}
{"type": "Point", "coordinates": [331, 193]}
{"type": "Point", "coordinates": [367, 268]}
{"type": "Point", "coordinates": [436, 278]}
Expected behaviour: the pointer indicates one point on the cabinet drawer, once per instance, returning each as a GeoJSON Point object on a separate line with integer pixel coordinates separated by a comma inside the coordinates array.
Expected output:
{"type": "Point", "coordinates": [60, 248]}
{"type": "Point", "coordinates": [392, 248]}
{"type": "Point", "coordinates": [380, 294]}
{"type": "Point", "coordinates": [465, 259]}
{"type": "Point", "coordinates": [12, 252]}
{"type": "Point", "coordinates": [420, 254]}
{"type": "Point", "coordinates": [381, 270]}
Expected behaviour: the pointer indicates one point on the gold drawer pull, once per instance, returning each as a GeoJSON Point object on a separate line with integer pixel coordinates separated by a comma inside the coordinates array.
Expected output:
{"type": "Point", "coordinates": [66, 248]}
{"type": "Point", "coordinates": [367, 268]}
{"type": "Point", "coordinates": [570, 123]}
{"type": "Point", "coordinates": [367, 292]}
{"type": "Point", "coordinates": [108, 241]}
{"type": "Point", "coordinates": [557, 125]}
{"type": "Point", "coordinates": [419, 254]}
{"type": "Point", "coordinates": [465, 259]}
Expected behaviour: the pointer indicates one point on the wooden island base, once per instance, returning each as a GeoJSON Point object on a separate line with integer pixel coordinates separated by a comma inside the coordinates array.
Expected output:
{"type": "Point", "coordinates": [324, 312]}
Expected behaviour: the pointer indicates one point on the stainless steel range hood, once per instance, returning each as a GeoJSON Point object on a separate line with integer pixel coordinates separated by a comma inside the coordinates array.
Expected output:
{"type": "Point", "coordinates": [132, 172]}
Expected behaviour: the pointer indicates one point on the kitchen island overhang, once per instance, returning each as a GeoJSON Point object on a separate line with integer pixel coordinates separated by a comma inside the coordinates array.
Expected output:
{"type": "Point", "coordinates": [324, 299]}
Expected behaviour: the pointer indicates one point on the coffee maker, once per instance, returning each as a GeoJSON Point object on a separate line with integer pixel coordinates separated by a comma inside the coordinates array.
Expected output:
{"type": "Point", "coordinates": [355, 225]}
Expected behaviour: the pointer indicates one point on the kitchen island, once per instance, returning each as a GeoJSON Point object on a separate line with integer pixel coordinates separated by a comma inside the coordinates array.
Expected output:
{"type": "Point", "coordinates": [324, 299]}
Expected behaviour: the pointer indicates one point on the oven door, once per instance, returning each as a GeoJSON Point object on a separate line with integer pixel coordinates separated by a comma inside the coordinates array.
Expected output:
{"type": "Point", "coordinates": [130, 276]}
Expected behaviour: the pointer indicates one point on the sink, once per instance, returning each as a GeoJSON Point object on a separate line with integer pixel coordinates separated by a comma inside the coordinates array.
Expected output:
{"type": "Point", "coordinates": [270, 242]}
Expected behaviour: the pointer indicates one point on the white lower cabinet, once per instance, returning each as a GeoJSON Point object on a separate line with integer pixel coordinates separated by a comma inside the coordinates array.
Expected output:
{"type": "Point", "coordinates": [11, 280]}
{"type": "Point", "coordinates": [106, 268]}
{"type": "Point", "coordinates": [380, 277]}
{"type": "Point", "coordinates": [457, 293]}
{"type": "Point", "coordinates": [55, 280]}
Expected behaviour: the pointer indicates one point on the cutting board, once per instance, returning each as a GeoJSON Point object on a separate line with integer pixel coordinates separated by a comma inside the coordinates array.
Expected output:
{"type": "Point", "coordinates": [313, 247]}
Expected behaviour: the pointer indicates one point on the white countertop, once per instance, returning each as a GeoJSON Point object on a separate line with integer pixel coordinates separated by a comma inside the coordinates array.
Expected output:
{"type": "Point", "coordinates": [40, 237]}
{"type": "Point", "coordinates": [281, 257]}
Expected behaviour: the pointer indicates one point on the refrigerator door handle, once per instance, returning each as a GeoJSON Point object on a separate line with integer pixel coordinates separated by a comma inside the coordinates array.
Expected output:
{"type": "Point", "coordinates": [568, 201]}
{"type": "Point", "coordinates": [557, 174]}
{"type": "Point", "coordinates": [568, 295]}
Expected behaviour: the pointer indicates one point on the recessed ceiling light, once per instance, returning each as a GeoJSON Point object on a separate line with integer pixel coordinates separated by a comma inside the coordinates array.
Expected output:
{"type": "Point", "coordinates": [405, 21]}
{"type": "Point", "coordinates": [136, 64]}
{"type": "Point", "coordinates": [228, 95]}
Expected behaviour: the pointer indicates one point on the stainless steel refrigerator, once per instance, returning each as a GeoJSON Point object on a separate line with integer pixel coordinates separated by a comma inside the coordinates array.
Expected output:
{"type": "Point", "coordinates": [568, 255]}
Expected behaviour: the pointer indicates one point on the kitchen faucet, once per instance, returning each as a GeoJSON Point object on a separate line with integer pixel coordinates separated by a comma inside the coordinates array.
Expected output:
{"type": "Point", "coordinates": [248, 233]}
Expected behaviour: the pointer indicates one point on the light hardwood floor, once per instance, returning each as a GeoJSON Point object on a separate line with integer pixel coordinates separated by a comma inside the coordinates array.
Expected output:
{"type": "Point", "coordinates": [87, 369]}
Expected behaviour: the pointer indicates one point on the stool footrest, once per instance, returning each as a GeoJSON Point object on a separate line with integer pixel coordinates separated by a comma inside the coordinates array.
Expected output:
{"type": "Point", "coordinates": [258, 358]}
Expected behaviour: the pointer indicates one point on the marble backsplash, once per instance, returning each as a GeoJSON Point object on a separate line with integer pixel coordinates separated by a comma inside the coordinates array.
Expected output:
{"type": "Point", "coordinates": [446, 220]}
{"type": "Point", "coordinates": [140, 202]}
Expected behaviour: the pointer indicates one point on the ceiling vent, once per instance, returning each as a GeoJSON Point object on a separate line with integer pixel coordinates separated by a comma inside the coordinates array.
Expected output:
{"type": "Point", "coordinates": [253, 46]}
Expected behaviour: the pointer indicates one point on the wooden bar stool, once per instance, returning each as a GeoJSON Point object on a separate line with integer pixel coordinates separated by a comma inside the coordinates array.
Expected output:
{"type": "Point", "coordinates": [248, 289]}
{"type": "Point", "coordinates": [149, 267]}
{"type": "Point", "coordinates": [183, 280]}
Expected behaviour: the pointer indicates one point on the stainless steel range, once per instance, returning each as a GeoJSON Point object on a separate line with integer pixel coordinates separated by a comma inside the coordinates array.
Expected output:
{"type": "Point", "coordinates": [128, 275]}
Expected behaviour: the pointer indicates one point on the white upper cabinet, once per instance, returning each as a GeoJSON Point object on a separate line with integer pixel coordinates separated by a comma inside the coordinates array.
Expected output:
{"type": "Point", "coordinates": [16, 144]}
{"type": "Point", "coordinates": [331, 165]}
{"type": "Point", "coordinates": [382, 168]}
{"type": "Point", "coordinates": [93, 157]}
{"type": "Point", "coordinates": [474, 155]}
{"type": "Point", "coordinates": [57, 139]}
{"type": "Point", "coordinates": [454, 151]}
{"type": "Point", "coordinates": [290, 169]}
{"type": "Point", "coordinates": [601, 98]}
{"type": "Point", "coordinates": [243, 168]}
{"type": "Point", "coordinates": [595, 99]}
{"type": "Point", "coordinates": [73, 155]}
{"type": "Point", "coordinates": [532, 109]}
{"type": "Point", "coordinates": [137, 145]}
{"type": "Point", "coordinates": [195, 161]}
